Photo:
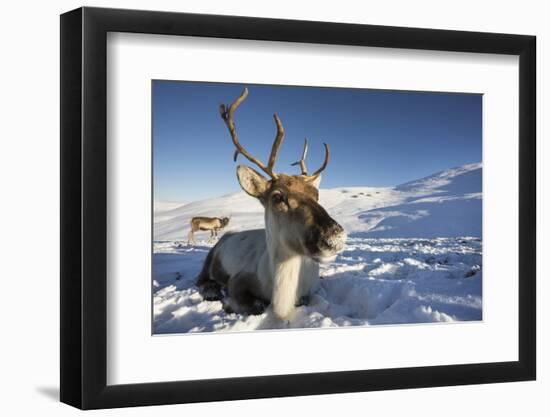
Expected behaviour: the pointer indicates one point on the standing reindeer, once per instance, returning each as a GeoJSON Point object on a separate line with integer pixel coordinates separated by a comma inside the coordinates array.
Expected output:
{"type": "Point", "coordinates": [214, 224]}
{"type": "Point", "coordinates": [278, 264]}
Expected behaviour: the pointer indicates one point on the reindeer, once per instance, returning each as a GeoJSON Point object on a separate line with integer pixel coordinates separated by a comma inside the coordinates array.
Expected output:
{"type": "Point", "coordinates": [214, 224]}
{"type": "Point", "coordinates": [278, 264]}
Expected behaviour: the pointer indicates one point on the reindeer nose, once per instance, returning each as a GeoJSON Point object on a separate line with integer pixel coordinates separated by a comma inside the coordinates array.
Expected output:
{"type": "Point", "coordinates": [337, 229]}
{"type": "Point", "coordinates": [334, 237]}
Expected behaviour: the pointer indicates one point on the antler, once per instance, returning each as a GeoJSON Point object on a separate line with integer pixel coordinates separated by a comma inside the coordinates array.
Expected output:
{"type": "Point", "coordinates": [325, 163]}
{"type": "Point", "coordinates": [227, 116]}
{"type": "Point", "coordinates": [302, 162]}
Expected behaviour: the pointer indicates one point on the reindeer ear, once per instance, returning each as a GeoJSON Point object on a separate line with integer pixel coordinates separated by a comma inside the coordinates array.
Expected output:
{"type": "Point", "coordinates": [251, 181]}
{"type": "Point", "coordinates": [316, 182]}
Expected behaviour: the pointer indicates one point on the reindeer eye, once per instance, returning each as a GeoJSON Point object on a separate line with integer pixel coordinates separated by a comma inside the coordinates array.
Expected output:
{"type": "Point", "coordinates": [277, 198]}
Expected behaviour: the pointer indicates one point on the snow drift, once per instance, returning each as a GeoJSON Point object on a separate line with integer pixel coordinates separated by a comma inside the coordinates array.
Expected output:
{"type": "Point", "coordinates": [413, 255]}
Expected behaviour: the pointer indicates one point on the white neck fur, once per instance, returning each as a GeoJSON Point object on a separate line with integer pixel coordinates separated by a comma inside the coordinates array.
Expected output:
{"type": "Point", "coordinates": [286, 268]}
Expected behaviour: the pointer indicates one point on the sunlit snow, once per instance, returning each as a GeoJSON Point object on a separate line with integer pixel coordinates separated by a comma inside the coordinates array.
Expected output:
{"type": "Point", "coordinates": [413, 255]}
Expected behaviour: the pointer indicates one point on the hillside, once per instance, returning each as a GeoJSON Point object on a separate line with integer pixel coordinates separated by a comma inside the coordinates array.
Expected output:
{"type": "Point", "coordinates": [413, 255]}
{"type": "Point", "coordinates": [446, 204]}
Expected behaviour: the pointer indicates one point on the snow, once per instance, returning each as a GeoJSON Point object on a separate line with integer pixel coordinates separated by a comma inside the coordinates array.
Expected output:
{"type": "Point", "coordinates": [162, 209]}
{"type": "Point", "coordinates": [413, 255]}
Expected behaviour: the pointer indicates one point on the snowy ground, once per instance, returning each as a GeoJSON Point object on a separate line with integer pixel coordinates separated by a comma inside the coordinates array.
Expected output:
{"type": "Point", "coordinates": [413, 255]}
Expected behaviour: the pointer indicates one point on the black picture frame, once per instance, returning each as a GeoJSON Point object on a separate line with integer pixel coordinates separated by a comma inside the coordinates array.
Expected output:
{"type": "Point", "coordinates": [84, 207]}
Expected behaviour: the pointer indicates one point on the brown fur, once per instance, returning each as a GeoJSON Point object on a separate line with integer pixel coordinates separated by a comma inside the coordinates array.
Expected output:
{"type": "Point", "coordinates": [295, 185]}
{"type": "Point", "coordinates": [301, 208]}
{"type": "Point", "coordinates": [214, 224]}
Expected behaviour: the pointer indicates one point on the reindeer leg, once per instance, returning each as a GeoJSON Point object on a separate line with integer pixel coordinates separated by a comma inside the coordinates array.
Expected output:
{"type": "Point", "coordinates": [211, 291]}
{"type": "Point", "coordinates": [244, 296]}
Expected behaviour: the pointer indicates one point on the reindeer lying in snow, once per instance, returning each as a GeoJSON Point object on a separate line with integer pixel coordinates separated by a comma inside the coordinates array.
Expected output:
{"type": "Point", "coordinates": [278, 264]}
{"type": "Point", "coordinates": [214, 224]}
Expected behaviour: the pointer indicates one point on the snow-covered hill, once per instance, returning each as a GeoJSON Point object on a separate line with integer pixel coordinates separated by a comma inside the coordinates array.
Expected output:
{"type": "Point", "coordinates": [413, 255]}
{"type": "Point", "coordinates": [446, 204]}
{"type": "Point", "coordinates": [161, 207]}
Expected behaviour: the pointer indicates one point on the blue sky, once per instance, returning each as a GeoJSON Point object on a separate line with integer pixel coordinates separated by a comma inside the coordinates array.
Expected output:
{"type": "Point", "coordinates": [376, 137]}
